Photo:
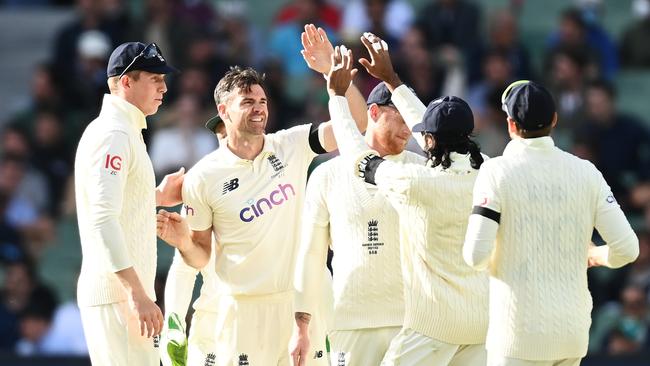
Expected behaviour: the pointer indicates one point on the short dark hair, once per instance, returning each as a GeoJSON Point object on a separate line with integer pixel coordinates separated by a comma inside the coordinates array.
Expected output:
{"type": "Point", "coordinates": [604, 85]}
{"type": "Point", "coordinates": [545, 131]}
{"type": "Point", "coordinates": [237, 77]}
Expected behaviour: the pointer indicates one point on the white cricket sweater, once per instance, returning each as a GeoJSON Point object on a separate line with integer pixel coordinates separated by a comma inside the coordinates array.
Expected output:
{"type": "Point", "coordinates": [549, 203]}
{"type": "Point", "coordinates": [444, 298]}
{"type": "Point", "coordinates": [363, 230]}
{"type": "Point", "coordinates": [116, 204]}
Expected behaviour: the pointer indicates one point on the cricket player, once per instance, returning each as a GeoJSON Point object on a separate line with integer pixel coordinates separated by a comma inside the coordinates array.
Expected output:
{"type": "Point", "coordinates": [445, 302]}
{"type": "Point", "coordinates": [359, 224]}
{"type": "Point", "coordinates": [535, 209]}
{"type": "Point", "coordinates": [116, 203]}
{"type": "Point", "coordinates": [176, 348]}
{"type": "Point", "coordinates": [249, 195]}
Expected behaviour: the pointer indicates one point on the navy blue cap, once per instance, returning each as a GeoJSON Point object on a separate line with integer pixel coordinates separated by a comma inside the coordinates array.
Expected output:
{"type": "Point", "coordinates": [380, 95]}
{"type": "Point", "coordinates": [529, 104]}
{"type": "Point", "coordinates": [447, 117]}
{"type": "Point", "coordinates": [151, 61]}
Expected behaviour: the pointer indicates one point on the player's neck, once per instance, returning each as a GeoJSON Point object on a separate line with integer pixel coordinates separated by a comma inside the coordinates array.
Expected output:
{"type": "Point", "coordinates": [374, 144]}
{"type": "Point", "coordinates": [246, 146]}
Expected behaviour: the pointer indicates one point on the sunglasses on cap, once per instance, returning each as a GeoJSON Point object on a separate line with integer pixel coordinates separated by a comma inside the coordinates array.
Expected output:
{"type": "Point", "coordinates": [149, 52]}
{"type": "Point", "coordinates": [506, 93]}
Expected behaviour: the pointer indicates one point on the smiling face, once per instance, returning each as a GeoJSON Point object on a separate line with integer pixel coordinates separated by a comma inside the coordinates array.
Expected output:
{"type": "Point", "coordinates": [145, 91]}
{"type": "Point", "coordinates": [246, 111]}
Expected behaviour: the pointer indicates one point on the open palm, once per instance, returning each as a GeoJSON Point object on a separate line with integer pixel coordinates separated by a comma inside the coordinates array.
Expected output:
{"type": "Point", "coordinates": [317, 49]}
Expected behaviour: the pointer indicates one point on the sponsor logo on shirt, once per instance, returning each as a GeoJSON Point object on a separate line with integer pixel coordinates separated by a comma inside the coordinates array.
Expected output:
{"type": "Point", "coordinates": [256, 208]}
{"type": "Point", "coordinates": [113, 163]}
{"type": "Point", "coordinates": [189, 211]}
{"type": "Point", "coordinates": [210, 359]}
{"type": "Point", "coordinates": [373, 243]}
{"type": "Point", "coordinates": [243, 360]}
{"type": "Point", "coordinates": [230, 185]}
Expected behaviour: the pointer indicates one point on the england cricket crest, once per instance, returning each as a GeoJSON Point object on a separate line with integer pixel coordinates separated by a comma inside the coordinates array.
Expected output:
{"type": "Point", "coordinates": [210, 359]}
{"type": "Point", "coordinates": [340, 359]}
{"type": "Point", "coordinates": [243, 360]}
{"type": "Point", "coordinates": [373, 243]}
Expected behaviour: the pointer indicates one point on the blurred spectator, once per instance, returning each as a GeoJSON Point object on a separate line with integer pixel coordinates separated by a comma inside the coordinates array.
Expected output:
{"type": "Point", "coordinates": [22, 294]}
{"type": "Point", "coordinates": [239, 40]}
{"type": "Point", "coordinates": [11, 241]}
{"type": "Point", "coordinates": [285, 45]}
{"type": "Point", "coordinates": [185, 142]}
{"type": "Point", "coordinates": [575, 34]}
{"type": "Point", "coordinates": [567, 82]}
{"type": "Point", "coordinates": [621, 329]}
{"type": "Point", "coordinates": [497, 72]}
{"type": "Point", "coordinates": [328, 14]}
{"type": "Point", "coordinates": [503, 35]}
{"type": "Point", "coordinates": [283, 111]}
{"type": "Point", "coordinates": [93, 50]}
{"type": "Point", "coordinates": [198, 13]}
{"type": "Point", "coordinates": [35, 323]}
{"type": "Point", "coordinates": [429, 76]}
{"type": "Point", "coordinates": [639, 274]}
{"type": "Point", "coordinates": [65, 335]}
{"type": "Point", "coordinates": [104, 16]}
{"type": "Point", "coordinates": [388, 19]}
{"type": "Point", "coordinates": [490, 127]}
{"type": "Point", "coordinates": [634, 50]}
{"type": "Point", "coordinates": [52, 157]}
{"type": "Point", "coordinates": [617, 144]}
{"type": "Point", "coordinates": [160, 25]}
{"type": "Point", "coordinates": [453, 24]}
{"type": "Point", "coordinates": [21, 180]}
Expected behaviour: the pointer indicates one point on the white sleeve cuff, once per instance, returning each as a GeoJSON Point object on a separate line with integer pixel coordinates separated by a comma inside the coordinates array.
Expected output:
{"type": "Point", "coordinates": [348, 138]}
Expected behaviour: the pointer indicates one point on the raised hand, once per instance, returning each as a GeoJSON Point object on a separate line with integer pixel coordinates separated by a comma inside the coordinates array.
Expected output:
{"type": "Point", "coordinates": [317, 48]}
{"type": "Point", "coordinates": [380, 65]}
{"type": "Point", "coordinates": [172, 228]}
{"type": "Point", "coordinates": [341, 72]}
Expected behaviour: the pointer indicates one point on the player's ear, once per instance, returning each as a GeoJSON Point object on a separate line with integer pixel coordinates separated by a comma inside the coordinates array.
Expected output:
{"type": "Point", "coordinates": [374, 111]}
{"type": "Point", "coordinates": [221, 108]}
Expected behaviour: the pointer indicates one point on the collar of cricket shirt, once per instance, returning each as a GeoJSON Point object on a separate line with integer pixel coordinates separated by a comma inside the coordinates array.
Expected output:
{"type": "Point", "coordinates": [518, 145]}
{"type": "Point", "coordinates": [229, 157]}
{"type": "Point", "coordinates": [119, 106]}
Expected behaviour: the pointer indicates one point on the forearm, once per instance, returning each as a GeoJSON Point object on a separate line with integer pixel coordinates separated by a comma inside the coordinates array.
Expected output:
{"type": "Point", "coordinates": [179, 287]}
{"type": "Point", "coordinates": [110, 240]}
{"type": "Point", "coordinates": [358, 107]}
{"type": "Point", "coordinates": [311, 260]}
{"type": "Point", "coordinates": [195, 254]}
{"type": "Point", "coordinates": [479, 241]}
{"type": "Point", "coordinates": [622, 243]}
{"type": "Point", "coordinates": [348, 138]}
{"type": "Point", "coordinates": [131, 282]}
{"type": "Point", "coordinates": [302, 322]}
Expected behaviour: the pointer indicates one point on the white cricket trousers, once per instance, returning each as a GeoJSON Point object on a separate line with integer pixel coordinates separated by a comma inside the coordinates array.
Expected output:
{"type": "Point", "coordinates": [113, 336]}
{"type": "Point", "coordinates": [256, 330]}
{"type": "Point", "coordinates": [360, 347]}
{"type": "Point", "coordinates": [495, 360]}
{"type": "Point", "coordinates": [410, 348]}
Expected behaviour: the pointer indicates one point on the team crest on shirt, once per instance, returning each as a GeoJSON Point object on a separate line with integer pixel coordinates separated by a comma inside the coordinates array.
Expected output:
{"type": "Point", "coordinates": [243, 360]}
{"type": "Point", "coordinates": [341, 359]}
{"type": "Point", "coordinates": [210, 359]}
{"type": "Point", "coordinates": [277, 165]}
{"type": "Point", "coordinates": [373, 243]}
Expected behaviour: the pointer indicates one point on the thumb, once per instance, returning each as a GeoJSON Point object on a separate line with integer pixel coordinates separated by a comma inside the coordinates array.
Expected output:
{"type": "Point", "coordinates": [174, 216]}
{"type": "Point", "coordinates": [181, 170]}
{"type": "Point", "coordinates": [365, 63]}
{"type": "Point", "coordinates": [353, 73]}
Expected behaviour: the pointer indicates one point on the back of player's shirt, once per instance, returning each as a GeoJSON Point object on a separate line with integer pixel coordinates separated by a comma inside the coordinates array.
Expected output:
{"type": "Point", "coordinates": [253, 207]}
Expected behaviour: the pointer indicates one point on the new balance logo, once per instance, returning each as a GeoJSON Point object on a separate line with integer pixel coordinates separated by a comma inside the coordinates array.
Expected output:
{"type": "Point", "coordinates": [373, 230]}
{"type": "Point", "coordinates": [230, 185]}
{"type": "Point", "coordinates": [210, 359]}
{"type": "Point", "coordinates": [275, 163]}
{"type": "Point", "coordinates": [243, 360]}
{"type": "Point", "coordinates": [318, 354]}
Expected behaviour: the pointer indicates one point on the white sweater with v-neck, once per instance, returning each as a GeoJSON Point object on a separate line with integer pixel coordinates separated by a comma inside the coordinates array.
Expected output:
{"type": "Point", "coordinates": [362, 228]}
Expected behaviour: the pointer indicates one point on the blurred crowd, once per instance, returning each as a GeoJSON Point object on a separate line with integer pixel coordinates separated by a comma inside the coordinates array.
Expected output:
{"type": "Point", "coordinates": [438, 47]}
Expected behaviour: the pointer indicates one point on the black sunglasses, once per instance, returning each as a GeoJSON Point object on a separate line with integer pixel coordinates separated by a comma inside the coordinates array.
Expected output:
{"type": "Point", "coordinates": [149, 52]}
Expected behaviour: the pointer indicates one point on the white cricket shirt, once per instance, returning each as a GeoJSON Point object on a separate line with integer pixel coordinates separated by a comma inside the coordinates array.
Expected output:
{"type": "Point", "coordinates": [253, 207]}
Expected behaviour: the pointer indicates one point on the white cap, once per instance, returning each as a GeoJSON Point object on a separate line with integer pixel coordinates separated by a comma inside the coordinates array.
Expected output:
{"type": "Point", "coordinates": [94, 44]}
